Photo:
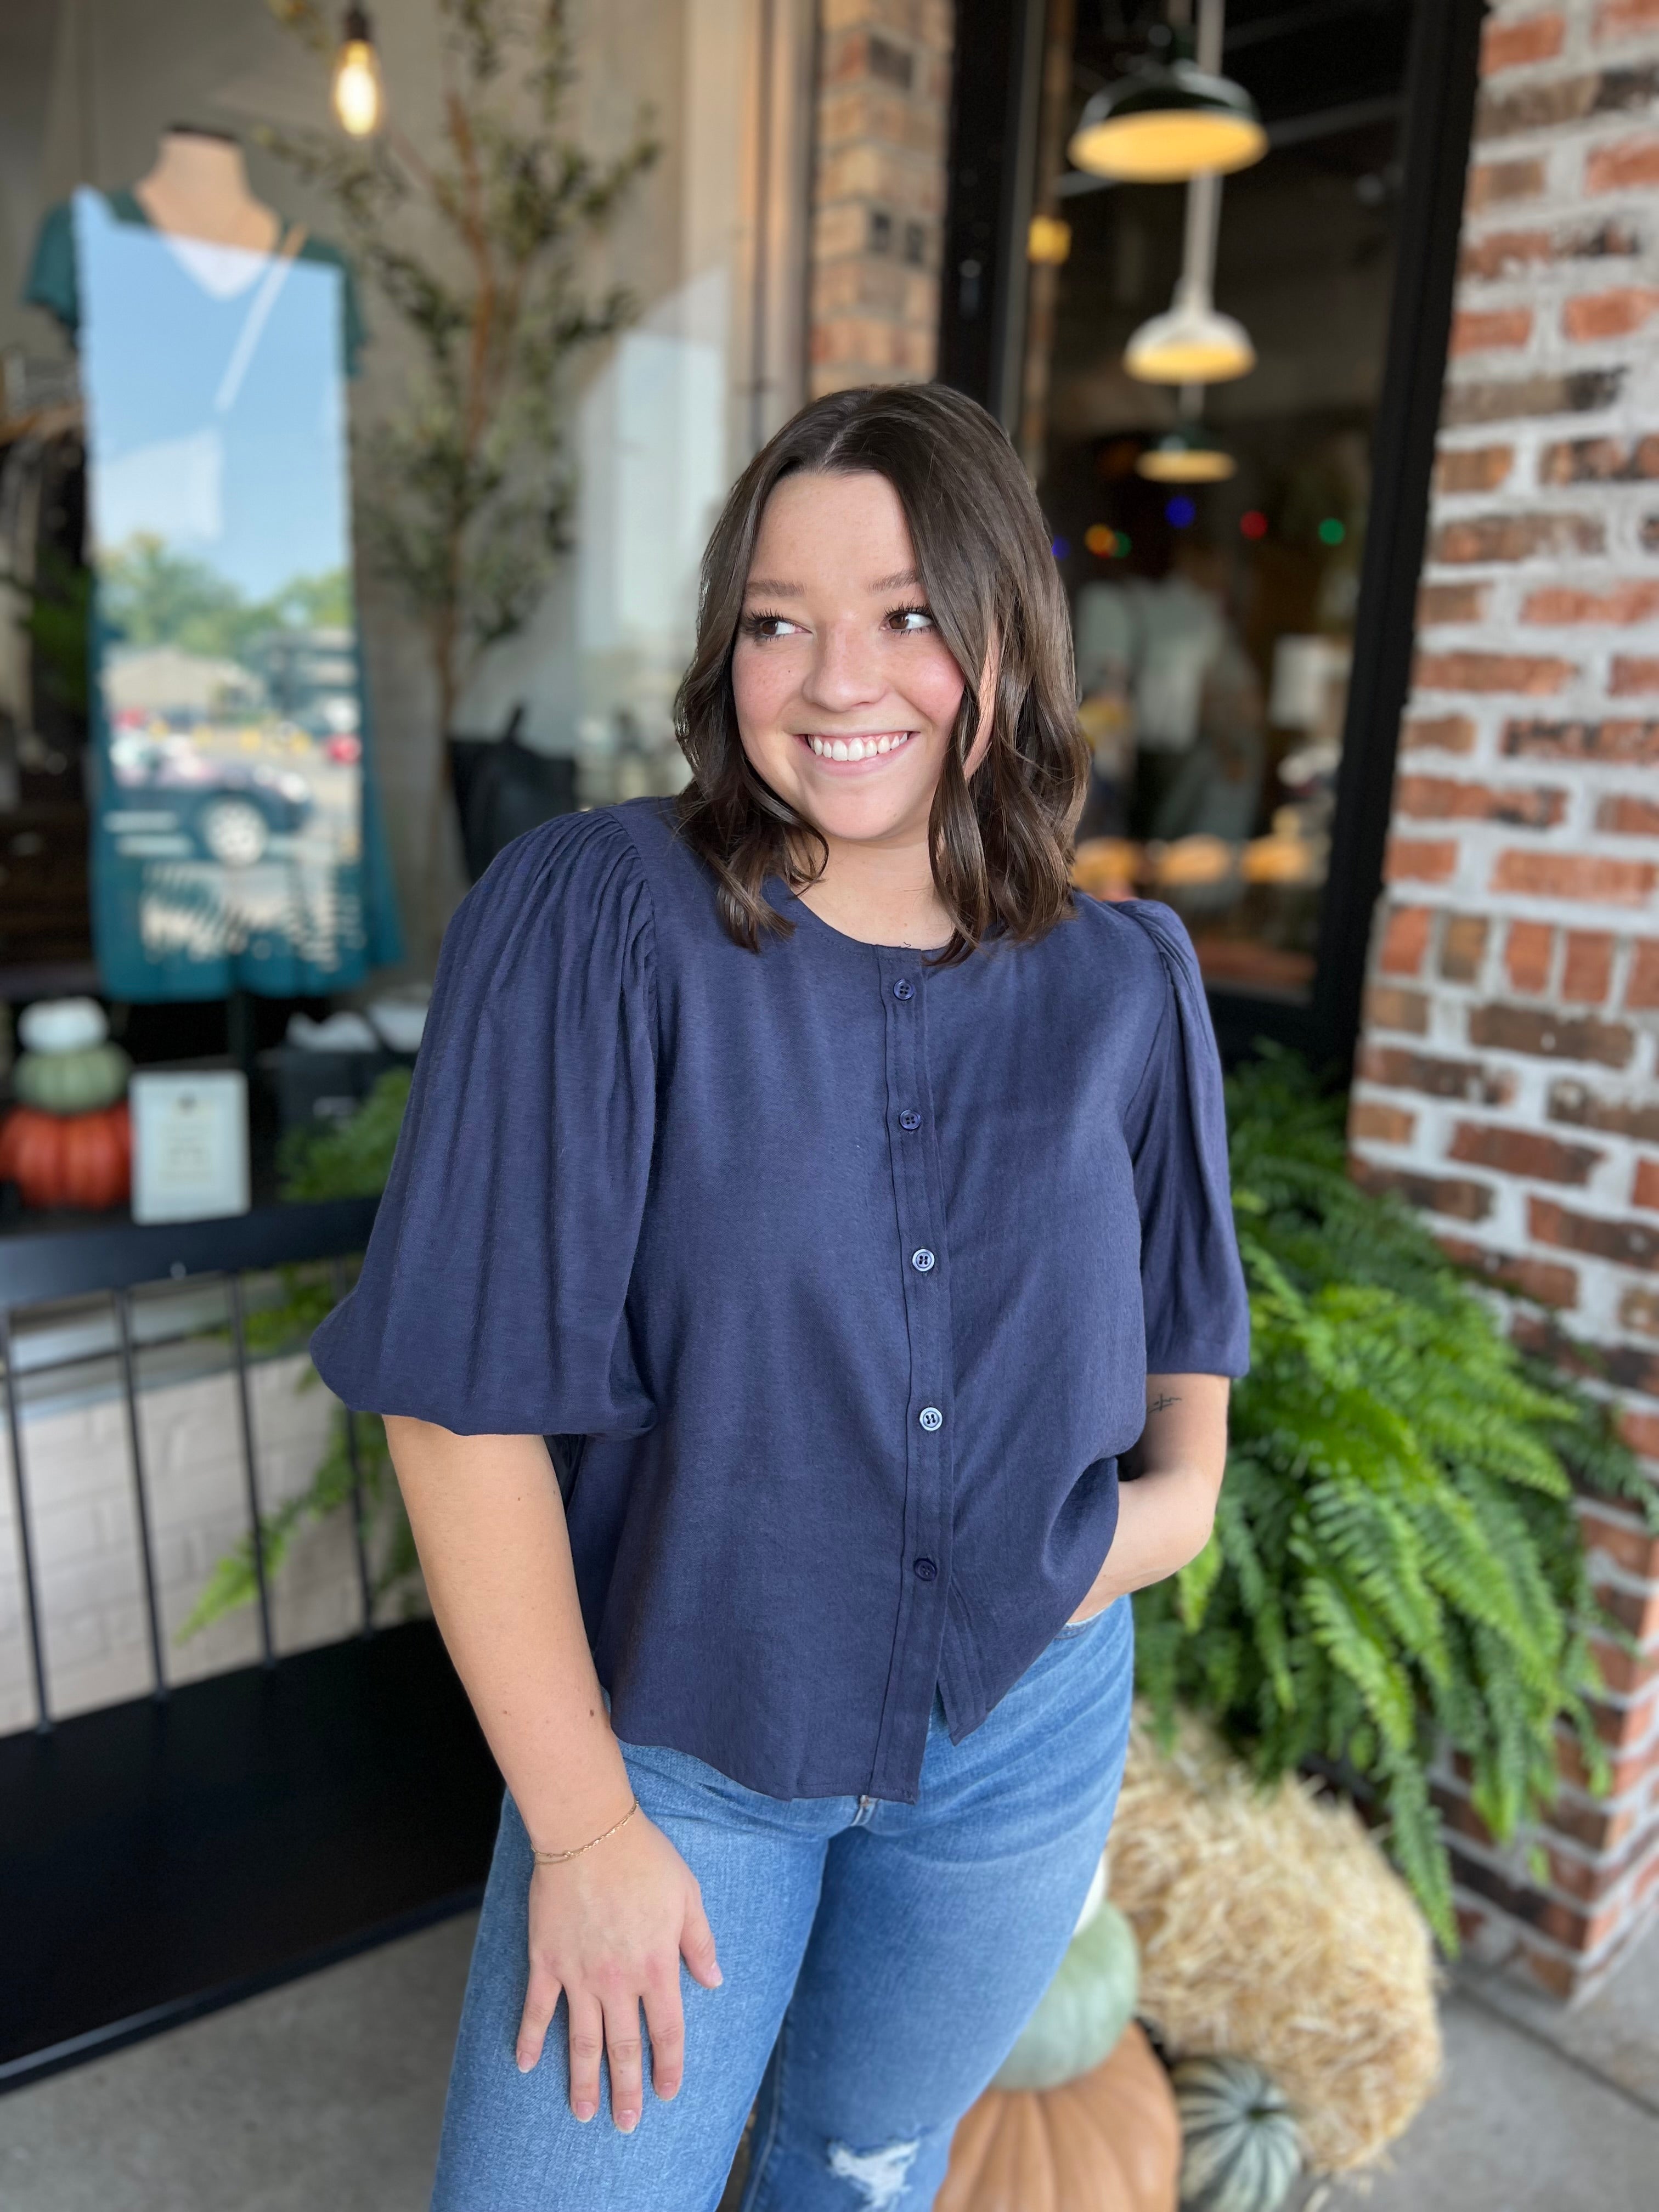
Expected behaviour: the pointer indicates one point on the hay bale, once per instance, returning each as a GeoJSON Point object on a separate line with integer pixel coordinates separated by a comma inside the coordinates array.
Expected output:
{"type": "Point", "coordinates": [1272, 1927]}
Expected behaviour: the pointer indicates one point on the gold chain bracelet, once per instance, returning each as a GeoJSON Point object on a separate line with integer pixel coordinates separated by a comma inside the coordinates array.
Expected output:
{"type": "Point", "coordinates": [557, 1858]}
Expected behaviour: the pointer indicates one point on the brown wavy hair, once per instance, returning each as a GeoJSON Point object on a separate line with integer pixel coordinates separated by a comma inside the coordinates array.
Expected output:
{"type": "Point", "coordinates": [1002, 840]}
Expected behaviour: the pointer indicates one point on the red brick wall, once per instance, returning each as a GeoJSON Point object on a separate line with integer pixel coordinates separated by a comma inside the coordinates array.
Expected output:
{"type": "Point", "coordinates": [878, 190]}
{"type": "Point", "coordinates": [1508, 1078]}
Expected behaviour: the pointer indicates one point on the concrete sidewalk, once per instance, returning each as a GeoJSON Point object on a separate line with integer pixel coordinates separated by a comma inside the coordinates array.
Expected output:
{"type": "Point", "coordinates": [327, 2094]}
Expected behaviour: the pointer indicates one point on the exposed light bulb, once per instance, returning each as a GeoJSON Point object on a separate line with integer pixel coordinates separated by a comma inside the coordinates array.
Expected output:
{"type": "Point", "coordinates": [358, 99]}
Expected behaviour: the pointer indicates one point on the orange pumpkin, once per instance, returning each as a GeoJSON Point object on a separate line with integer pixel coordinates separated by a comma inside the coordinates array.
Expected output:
{"type": "Point", "coordinates": [1109, 2142]}
{"type": "Point", "coordinates": [68, 1159]}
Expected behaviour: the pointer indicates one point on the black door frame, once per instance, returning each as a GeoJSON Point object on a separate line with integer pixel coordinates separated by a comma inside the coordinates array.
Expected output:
{"type": "Point", "coordinates": [981, 308]}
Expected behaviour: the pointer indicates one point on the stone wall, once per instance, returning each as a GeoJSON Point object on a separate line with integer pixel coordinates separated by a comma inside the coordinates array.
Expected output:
{"type": "Point", "coordinates": [878, 190]}
{"type": "Point", "coordinates": [1506, 1079]}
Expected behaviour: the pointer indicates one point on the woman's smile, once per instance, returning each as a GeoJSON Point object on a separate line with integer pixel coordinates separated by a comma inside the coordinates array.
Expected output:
{"type": "Point", "coordinates": [857, 749]}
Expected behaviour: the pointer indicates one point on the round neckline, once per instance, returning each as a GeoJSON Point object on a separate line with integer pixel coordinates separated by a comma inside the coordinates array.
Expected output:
{"type": "Point", "coordinates": [923, 954]}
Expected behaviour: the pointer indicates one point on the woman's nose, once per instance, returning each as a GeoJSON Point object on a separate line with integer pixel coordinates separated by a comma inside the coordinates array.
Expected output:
{"type": "Point", "coordinates": [845, 671]}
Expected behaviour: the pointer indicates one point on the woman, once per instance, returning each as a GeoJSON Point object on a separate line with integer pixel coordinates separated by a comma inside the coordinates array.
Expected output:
{"type": "Point", "coordinates": [834, 1201]}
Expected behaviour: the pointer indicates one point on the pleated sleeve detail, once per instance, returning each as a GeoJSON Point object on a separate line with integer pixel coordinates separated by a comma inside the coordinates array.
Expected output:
{"type": "Point", "coordinates": [1192, 1292]}
{"type": "Point", "coordinates": [492, 1299]}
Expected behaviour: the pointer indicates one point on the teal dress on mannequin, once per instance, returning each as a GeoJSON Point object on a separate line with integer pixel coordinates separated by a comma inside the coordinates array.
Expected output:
{"type": "Point", "coordinates": [237, 839]}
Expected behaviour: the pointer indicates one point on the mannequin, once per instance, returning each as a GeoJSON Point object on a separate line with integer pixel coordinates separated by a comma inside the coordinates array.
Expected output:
{"type": "Point", "coordinates": [198, 187]}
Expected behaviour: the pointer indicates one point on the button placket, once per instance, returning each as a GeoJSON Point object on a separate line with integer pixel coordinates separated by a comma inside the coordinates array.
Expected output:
{"type": "Point", "coordinates": [922, 1259]}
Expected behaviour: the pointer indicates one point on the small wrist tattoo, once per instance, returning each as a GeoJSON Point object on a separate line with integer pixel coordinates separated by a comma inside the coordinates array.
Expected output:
{"type": "Point", "coordinates": [1161, 1404]}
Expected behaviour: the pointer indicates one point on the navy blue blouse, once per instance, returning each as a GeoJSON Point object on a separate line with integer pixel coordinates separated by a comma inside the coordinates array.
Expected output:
{"type": "Point", "coordinates": [833, 1278]}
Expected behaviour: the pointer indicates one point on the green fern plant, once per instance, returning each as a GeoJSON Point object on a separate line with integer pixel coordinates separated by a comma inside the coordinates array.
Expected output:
{"type": "Point", "coordinates": [1396, 1565]}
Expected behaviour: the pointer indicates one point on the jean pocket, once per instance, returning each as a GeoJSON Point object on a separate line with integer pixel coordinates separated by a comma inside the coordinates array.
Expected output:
{"type": "Point", "coordinates": [1076, 1628]}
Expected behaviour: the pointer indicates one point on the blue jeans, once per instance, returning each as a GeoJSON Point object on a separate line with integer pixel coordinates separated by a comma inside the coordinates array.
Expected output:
{"type": "Point", "coordinates": [879, 1961]}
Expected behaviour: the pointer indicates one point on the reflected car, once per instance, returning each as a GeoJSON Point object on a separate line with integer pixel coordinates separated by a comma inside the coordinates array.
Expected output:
{"type": "Point", "coordinates": [229, 809]}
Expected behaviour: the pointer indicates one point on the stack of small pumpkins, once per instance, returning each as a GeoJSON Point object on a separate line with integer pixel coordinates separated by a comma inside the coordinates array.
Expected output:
{"type": "Point", "coordinates": [68, 1141]}
{"type": "Point", "coordinates": [1083, 2117]}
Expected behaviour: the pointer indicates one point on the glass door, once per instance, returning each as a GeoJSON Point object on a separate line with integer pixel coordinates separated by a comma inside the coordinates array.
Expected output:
{"type": "Point", "coordinates": [1215, 618]}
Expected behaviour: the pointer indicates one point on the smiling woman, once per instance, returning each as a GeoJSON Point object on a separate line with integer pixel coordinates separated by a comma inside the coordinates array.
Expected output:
{"type": "Point", "coordinates": [845, 1199]}
{"type": "Point", "coordinates": [883, 669]}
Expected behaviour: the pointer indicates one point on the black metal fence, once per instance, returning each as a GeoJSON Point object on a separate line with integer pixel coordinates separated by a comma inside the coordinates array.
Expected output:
{"type": "Point", "coordinates": [114, 1265]}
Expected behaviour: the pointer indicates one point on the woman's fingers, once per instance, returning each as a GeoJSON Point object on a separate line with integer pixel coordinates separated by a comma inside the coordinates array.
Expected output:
{"type": "Point", "coordinates": [697, 1944]}
{"type": "Point", "coordinates": [541, 2000]}
{"type": "Point", "coordinates": [586, 2045]}
{"type": "Point", "coordinates": [621, 2048]}
{"type": "Point", "coordinates": [665, 2016]}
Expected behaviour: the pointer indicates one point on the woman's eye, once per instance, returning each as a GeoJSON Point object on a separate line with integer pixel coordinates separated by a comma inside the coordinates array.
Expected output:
{"type": "Point", "coordinates": [909, 621]}
{"type": "Point", "coordinates": [767, 626]}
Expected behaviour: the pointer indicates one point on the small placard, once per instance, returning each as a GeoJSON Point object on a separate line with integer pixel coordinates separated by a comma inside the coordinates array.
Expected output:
{"type": "Point", "coordinates": [190, 1148]}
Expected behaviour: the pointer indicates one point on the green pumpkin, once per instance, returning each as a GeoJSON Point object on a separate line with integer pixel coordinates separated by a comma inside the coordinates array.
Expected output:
{"type": "Point", "coordinates": [80, 1082]}
{"type": "Point", "coordinates": [1085, 2010]}
{"type": "Point", "coordinates": [1241, 2150]}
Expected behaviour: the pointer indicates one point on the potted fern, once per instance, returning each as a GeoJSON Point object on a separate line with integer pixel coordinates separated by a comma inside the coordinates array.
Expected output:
{"type": "Point", "coordinates": [1396, 1569]}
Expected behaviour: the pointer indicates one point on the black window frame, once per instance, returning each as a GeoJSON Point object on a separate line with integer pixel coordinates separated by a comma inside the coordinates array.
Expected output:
{"type": "Point", "coordinates": [994, 103]}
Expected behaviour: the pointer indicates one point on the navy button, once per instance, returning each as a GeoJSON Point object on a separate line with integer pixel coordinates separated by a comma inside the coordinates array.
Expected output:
{"type": "Point", "coordinates": [903, 990]}
{"type": "Point", "coordinates": [926, 1572]}
{"type": "Point", "coordinates": [909, 1121]}
{"type": "Point", "coordinates": [930, 1418]}
{"type": "Point", "coordinates": [922, 1261]}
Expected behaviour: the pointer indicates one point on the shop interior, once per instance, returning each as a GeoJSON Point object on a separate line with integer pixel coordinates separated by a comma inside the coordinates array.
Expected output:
{"type": "Point", "coordinates": [1214, 587]}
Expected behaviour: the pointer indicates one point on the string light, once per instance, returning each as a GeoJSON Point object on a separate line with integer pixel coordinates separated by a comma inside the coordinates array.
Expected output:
{"type": "Point", "coordinates": [358, 99]}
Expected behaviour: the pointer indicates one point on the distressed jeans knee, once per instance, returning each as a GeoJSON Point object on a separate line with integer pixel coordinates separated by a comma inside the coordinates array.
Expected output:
{"type": "Point", "coordinates": [878, 2177]}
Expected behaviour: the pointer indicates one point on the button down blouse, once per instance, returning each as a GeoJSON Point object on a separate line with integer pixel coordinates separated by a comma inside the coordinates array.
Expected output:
{"type": "Point", "coordinates": [832, 1276]}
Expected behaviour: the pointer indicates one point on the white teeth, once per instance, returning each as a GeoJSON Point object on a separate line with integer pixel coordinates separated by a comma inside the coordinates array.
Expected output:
{"type": "Point", "coordinates": [857, 749]}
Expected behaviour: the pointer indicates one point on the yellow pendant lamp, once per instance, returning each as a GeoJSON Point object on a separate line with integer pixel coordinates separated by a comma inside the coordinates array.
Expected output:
{"type": "Point", "coordinates": [1192, 343]}
{"type": "Point", "coordinates": [1170, 121]}
{"type": "Point", "coordinates": [1187, 456]}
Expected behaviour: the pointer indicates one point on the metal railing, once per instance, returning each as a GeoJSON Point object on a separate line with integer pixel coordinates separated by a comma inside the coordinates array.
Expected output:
{"type": "Point", "coordinates": [110, 1263]}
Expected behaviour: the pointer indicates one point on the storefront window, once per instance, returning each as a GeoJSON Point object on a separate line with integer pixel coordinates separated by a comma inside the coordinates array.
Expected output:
{"type": "Point", "coordinates": [1215, 620]}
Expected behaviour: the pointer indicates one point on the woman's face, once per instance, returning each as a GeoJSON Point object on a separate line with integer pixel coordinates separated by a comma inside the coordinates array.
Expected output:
{"type": "Point", "coordinates": [846, 694]}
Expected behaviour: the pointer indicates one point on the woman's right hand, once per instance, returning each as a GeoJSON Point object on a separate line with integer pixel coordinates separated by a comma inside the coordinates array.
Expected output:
{"type": "Point", "coordinates": [609, 1929]}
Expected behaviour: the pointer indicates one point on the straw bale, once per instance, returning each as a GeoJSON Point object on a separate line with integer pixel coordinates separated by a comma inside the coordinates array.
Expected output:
{"type": "Point", "coordinates": [1272, 1927]}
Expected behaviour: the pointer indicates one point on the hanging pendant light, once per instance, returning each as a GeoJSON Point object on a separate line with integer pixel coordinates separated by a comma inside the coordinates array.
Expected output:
{"type": "Point", "coordinates": [1188, 455]}
{"type": "Point", "coordinates": [1171, 120]}
{"type": "Point", "coordinates": [1192, 342]}
{"type": "Point", "coordinates": [1163, 124]}
{"type": "Point", "coordinates": [358, 99]}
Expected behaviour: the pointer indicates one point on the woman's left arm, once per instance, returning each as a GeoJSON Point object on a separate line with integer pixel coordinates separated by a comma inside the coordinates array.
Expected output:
{"type": "Point", "coordinates": [1164, 1515]}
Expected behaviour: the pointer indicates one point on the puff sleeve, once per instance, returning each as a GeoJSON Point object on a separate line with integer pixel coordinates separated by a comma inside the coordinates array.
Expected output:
{"type": "Point", "coordinates": [1193, 1293]}
{"type": "Point", "coordinates": [492, 1296]}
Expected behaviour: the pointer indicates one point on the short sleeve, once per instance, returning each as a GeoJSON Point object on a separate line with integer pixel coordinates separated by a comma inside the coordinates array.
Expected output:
{"type": "Point", "coordinates": [1197, 1311]}
{"type": "Point", "coordinates": [353, 332]}
{"type": "Point", "coordinates": [51, 282]}
{"type": "Point", "coordinates": [492, 1296]}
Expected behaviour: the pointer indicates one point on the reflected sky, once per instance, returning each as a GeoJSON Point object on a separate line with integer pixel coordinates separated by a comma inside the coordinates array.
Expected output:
{"type": "Point", "coordinates": [216, 399]}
